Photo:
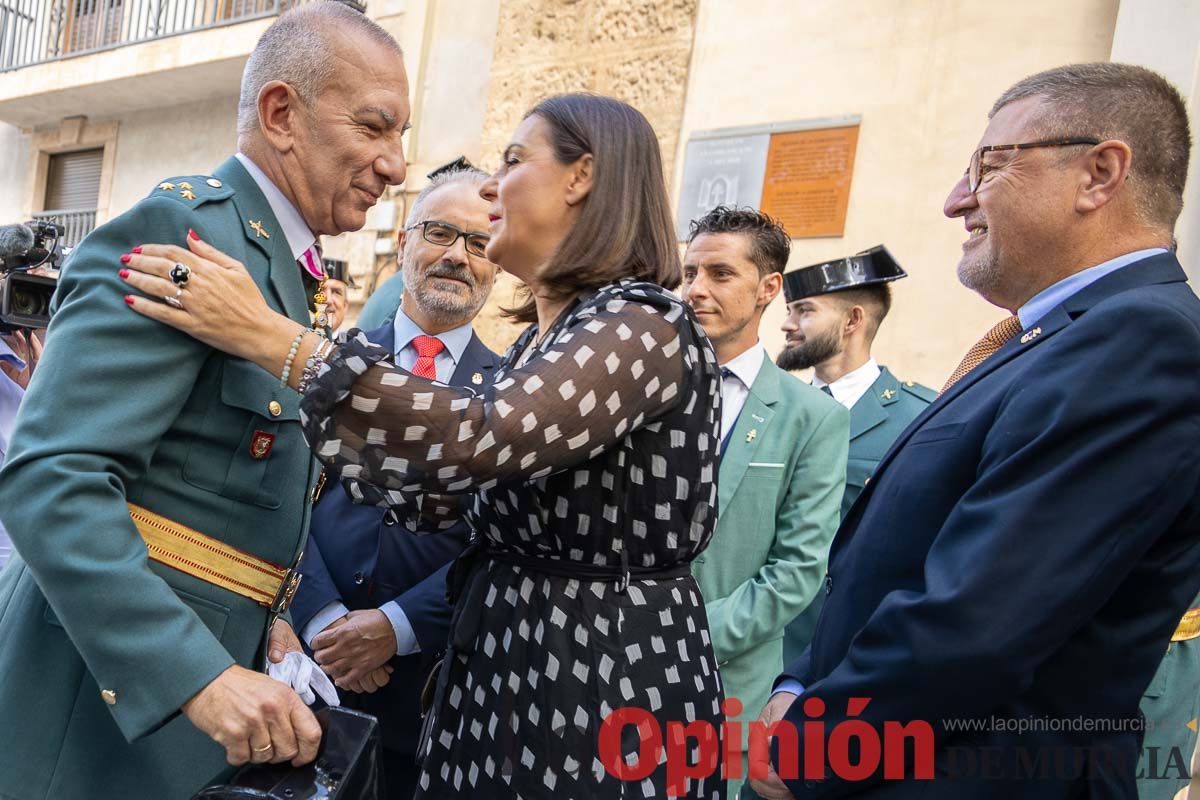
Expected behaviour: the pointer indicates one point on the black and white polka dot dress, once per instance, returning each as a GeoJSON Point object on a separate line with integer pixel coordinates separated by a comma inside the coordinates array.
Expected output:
{"type": "Point", "coordinates": [595, 450]}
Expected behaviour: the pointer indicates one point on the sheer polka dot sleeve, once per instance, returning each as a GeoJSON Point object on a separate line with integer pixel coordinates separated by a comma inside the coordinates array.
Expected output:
{"type": "Point", "coordinates": [618, 364]}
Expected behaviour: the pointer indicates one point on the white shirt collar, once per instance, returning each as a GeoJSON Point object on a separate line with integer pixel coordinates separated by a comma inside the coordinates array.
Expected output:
{"type": "Point", "coordinates": [850, 388]}
{"type": "Point", "coordinates": [747, 365]}
{"type": "Point", "coordinates": [299, 236]}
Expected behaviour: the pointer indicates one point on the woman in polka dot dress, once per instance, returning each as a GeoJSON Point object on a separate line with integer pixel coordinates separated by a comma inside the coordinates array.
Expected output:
{"type": "Point", "coordinates": [592, 462]}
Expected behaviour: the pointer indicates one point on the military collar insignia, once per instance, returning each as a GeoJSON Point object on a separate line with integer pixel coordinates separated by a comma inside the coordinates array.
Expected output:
{"type": "Point", "coordinates": [257, 226]}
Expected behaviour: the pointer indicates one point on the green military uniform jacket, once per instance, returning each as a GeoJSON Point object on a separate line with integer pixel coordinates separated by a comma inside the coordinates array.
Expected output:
{"type": "Point", "coordinates": [876, 420]}
{"type": "Point", "coordinates": [1171, 706]}
{"type": "Point", "coordinates": [779, 487]}
{"type": "Point", "coordinates": [125, 409]}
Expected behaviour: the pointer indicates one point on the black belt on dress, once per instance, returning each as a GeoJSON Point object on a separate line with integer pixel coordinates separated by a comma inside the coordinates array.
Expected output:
{"type": "Point", "coordinates": [467, 571]}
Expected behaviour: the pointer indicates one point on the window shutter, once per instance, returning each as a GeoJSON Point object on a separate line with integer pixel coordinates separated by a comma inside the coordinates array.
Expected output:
{"type": "Point", "coordinates": [73, 180]}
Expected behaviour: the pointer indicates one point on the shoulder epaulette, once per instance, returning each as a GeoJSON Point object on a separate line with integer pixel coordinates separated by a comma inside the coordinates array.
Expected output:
{"type": "Point", "coordinates": [919, 391]}
{"type": "Point", "coordinates": [193, 190]}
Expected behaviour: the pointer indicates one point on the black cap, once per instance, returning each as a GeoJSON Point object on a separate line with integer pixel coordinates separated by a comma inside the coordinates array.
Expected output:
{"type": "Point", "coordinates": [338, 270]}
{"type": "Point", "coordinates": [868, 267]}
{"type": "Point", "coordinates": [457, 164]}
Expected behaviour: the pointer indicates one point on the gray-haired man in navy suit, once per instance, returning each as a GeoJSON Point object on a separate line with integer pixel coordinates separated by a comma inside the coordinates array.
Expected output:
{"type": "Point", "coordinates": [372, 605]}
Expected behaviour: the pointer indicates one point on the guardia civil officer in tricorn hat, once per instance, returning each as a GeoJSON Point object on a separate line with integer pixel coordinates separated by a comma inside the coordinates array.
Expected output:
{"type": "Point", "coordinates": [834, 313]}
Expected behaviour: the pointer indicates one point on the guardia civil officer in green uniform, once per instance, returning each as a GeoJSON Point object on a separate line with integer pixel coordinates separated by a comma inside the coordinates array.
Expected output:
{"type": "Point", "coordinates": [834, 313]}
{"type": "Point", "coordinates": [156, 490]}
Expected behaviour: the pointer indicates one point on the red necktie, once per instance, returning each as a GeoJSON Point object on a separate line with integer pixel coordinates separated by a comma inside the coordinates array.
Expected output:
{"type": "Point", "coordinates": [427, 349]}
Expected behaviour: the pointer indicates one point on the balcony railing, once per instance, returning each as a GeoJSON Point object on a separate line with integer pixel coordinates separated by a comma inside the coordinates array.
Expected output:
{"type": "Point", "coordinates": [75, 224]}
{"type": "Point", "coordinates": [36, 31]}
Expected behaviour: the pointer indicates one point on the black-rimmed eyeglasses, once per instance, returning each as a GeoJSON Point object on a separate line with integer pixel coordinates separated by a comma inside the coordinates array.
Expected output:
{"type": "Point", "coordinates": [978, 169]}
{"type": "Point", "coordinates": [443, 234]}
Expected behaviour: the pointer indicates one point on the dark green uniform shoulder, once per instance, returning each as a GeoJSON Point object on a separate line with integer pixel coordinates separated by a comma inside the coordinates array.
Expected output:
{"type": "Point", "coordinates": [193, 190]}
{"type": "Point", "coordinates": [923, 393]}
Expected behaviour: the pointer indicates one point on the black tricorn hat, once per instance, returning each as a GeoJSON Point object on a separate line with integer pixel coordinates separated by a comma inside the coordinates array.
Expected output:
{"type": "Point", "coordinates": [459, 163]}
{"type": "Point", "coordinates": [338, 270]}
{"type": "Point", "coordinates": [864, 269]}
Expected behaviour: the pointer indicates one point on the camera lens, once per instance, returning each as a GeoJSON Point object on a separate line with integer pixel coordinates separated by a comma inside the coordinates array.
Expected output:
{"type": "Point", "coordinates": [27, 303]}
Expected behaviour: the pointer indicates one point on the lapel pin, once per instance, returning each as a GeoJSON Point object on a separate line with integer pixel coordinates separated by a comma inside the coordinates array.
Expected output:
{"type": "Point", "coordinates": [751, 435]}
{"type": "Point", "coordinates": [166, 186]}
{"type": "Point", "coordinates": [477, 379]}
{"type": "Point", "coordinates": [758, 419]}
{"type": "Point", "coordinates": [888, 394]}
{"type": "Point", "coordinates": [1031, 335]}
{"type": "Point", "coordinates": [256, 226]}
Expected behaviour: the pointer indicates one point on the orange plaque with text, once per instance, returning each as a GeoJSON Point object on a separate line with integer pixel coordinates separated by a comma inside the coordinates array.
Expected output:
{"type": "Point", "coordinates": [807, 181]}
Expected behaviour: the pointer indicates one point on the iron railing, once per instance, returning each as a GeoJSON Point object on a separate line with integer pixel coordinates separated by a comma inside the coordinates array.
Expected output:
{"type": "Point", "coordinates": [36, 31]}
{"type": "Point", "coordinates": [74, 223]}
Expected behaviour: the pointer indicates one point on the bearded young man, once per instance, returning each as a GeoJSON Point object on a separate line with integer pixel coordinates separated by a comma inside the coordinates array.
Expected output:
{"type": "Point", "coordinates": [834, 313]}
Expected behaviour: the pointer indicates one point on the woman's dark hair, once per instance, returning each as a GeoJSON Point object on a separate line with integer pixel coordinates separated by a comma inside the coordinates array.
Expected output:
{"type": "Point", "coordinates": [624, 229]}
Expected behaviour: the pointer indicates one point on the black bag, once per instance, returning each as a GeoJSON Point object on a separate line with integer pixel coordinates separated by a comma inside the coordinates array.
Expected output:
{"type": "Point", "coordinates": [346, 767]}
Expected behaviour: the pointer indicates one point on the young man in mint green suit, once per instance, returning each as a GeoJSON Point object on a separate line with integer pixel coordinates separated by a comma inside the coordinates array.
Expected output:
{"type": "Point", "coordinates": [101, 646]}
{"type": "Point", "coordinates": [783, 463]}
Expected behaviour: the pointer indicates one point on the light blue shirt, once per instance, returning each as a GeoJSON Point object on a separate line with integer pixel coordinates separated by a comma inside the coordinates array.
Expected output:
{"type": "Point", "coordinates": [444, 363]}
{"type": "Point", "coordinates": [10, 399]}
{"type": "Point", "coordinates": [1036, 308]}
{"type": "Point", "coordinates": [1052, 296]}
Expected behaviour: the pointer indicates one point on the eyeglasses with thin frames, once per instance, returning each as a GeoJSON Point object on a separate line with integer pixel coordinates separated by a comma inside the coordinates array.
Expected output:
{"type": "Point", "coordinates": [978, 169]}
{"type": "Point", "coordinates": [443, 234]}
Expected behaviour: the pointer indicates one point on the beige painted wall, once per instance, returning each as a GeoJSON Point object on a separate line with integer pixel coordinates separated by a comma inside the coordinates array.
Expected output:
{"type": "Point", "coordinates": [14, 174]}
{"type": "Point", "coordinates": [922, 73]}
{"type": "Point", "coordinates": [177, 140]}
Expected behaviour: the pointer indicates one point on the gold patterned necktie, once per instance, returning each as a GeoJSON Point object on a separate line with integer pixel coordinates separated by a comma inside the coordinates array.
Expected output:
{"type": "Point", "coordinates": [992, 341]}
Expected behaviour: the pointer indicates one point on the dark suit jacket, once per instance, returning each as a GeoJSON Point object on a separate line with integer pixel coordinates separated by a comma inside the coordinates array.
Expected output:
{"type": "Point", "coordinates": [1026, 548]}
{"type": "Point", "coordinates": [362, 556]}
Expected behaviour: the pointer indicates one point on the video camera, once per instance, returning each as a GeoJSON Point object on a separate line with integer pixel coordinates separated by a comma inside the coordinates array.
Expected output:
{"type": "Point", "coordinates": [24, 297]}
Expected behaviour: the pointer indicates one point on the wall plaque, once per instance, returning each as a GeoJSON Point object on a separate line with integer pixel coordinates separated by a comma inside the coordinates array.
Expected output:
{"type": "Point", "coordinates": [798, 172]}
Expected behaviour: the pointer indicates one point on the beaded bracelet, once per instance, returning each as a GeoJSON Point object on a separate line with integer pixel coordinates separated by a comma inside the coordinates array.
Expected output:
{"type": "Point", "coordinates": [287, 365]}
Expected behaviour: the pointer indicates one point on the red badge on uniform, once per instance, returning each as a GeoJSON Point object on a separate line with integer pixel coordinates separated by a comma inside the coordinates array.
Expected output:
{"type": "Point", "coordinates": [260, 444]}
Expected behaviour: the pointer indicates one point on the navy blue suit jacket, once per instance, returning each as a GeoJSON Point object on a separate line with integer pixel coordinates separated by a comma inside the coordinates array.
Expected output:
{"type": "Point", "coordinates": [1025, 550]}
{"type": "Point", "coordinates": [362, 556]}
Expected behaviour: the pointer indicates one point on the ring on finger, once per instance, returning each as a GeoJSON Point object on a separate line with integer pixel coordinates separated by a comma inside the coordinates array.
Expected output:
{"type": "Point", "coordinates": [175, 300]}
{"type": "Point", "coordinates": [180, 274]}
{"type": "Point", "coordinates": [264, 749]}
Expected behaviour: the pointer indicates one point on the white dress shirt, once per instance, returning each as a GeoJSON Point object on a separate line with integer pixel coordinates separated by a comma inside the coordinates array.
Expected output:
{"type": "Point", "coordinates": [850, 388]}
{"type": "Point", "coordinates": [445, 362]}
{"type": "Point", "coordinates": [735, 387]}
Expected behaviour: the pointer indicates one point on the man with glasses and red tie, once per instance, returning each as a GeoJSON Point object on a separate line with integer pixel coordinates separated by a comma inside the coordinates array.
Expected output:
{"type": "Point", "coordinates": [372, 606]}
{"type": "Point", "coordinates": [1009, 579]}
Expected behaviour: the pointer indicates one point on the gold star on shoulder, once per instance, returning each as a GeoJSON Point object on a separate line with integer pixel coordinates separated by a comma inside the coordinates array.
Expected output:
{"type": "Point", "coordinates": [888, 394]}
{"type": "Point", "coordinates": [186, 194]}
{"type": "Point", "coordinates": [166, 187]}
{"type": "Point", "coordinates": [185, 185]}
{"type": "Point", "coordinates": [257, 227]}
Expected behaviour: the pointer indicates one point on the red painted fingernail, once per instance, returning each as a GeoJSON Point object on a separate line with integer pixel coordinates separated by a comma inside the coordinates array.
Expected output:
{"type": "Point", "coordinates": [124, 273]}
{"type": "Point", "coordinates": [128, 299]}
{"type": "Point", "coordinates": [192, 235]}
{"type": "Point", "coordinates": [125, 258]}
{"type": "Point", "coordinates": [137, 249]}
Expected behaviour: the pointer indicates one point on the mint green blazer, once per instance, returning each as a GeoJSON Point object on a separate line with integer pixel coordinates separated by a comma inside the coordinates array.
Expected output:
{"type": "Point", "coordinates": [779, 492]}
{"type": "Point", "coordinates": [124, 409]}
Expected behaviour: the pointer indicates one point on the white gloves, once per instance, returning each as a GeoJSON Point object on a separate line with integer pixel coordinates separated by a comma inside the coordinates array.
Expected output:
{"type": "Point", "coordinates": [305, 677]}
